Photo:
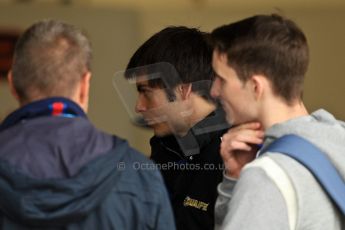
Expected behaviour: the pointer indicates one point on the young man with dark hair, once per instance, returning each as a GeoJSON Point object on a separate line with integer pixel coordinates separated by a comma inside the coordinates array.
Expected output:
{"type": "Point", "coordinates": [173, 74]}
{"type": "Point", "coordinates": [57, 171]}
{"type": "Point", "coordinates": [260, 64]}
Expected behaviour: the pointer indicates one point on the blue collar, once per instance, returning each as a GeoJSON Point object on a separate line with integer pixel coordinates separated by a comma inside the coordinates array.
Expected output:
{"type": "Point", "coordinates": [54, 106]}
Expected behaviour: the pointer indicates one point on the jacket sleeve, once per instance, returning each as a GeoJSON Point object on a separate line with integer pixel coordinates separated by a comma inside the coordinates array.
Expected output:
{"type": "Point", "coordinates": [225, 190]}
{"type": "Point", "coordinates": [164, 215]}
{"type": "Point", "coordinates": [254, 203]}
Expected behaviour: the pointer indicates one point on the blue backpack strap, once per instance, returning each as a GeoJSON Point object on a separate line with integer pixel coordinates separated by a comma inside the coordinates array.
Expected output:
{"type": "Point", "coordinates": [316, 162]}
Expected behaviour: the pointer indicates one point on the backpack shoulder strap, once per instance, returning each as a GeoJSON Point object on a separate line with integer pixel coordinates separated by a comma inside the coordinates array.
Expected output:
{"type": "Point", "coordinates": [283, 183]}
{"type": "Point", "coordinates": [316, 162]}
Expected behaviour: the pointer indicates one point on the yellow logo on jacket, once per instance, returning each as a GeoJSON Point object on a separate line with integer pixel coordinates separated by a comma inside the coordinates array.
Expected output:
{"type": "Point", "coordinates": [195, 204]}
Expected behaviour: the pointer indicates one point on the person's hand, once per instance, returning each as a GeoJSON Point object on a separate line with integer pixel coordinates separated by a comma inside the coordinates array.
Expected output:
{"type": "Point", "coordinates": [239, 147]}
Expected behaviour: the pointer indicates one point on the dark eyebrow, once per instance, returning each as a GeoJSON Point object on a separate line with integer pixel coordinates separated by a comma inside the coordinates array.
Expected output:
{"type": "Point", "coordinates": [141, 87]}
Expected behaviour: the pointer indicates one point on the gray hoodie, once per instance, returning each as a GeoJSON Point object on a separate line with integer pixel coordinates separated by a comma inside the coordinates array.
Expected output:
{"type": "Point", "coordinates": [256, 202]}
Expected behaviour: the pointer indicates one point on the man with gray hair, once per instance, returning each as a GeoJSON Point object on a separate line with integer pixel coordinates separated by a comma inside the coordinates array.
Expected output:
{"type": "Point", "coordinates": [56, 169]}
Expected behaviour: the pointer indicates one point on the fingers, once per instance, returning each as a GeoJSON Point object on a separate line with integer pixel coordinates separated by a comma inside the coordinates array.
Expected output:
{"type": "Point", "coordinates": [244, 136]}
{"type": "Point", "coordinates": [227, 147]}
{"type": "Point", "coordinates": [239, 146]}
{"type": "Point", "coordinates": [249, 125]}
{"type": "Point", "coordinates": [241, 137]}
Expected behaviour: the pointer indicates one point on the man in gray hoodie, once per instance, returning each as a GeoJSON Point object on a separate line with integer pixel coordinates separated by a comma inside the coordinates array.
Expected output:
{"type": "Point", "coordinates": [260, 63]}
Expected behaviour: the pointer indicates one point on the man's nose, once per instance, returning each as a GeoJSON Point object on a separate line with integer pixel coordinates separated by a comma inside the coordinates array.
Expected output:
{"type": "Point", "coordinates": [140, 105]}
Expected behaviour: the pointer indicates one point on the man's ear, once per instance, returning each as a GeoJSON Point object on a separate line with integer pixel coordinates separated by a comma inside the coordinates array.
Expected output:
{"type": "Point", "coordinates": [185, 90]}
{"type": "Point", "coordinates": [259, 84]}
{"type": "Point", "coordinates": [84, 90]}
{"type": "Point", "coordinates": [11, 85]}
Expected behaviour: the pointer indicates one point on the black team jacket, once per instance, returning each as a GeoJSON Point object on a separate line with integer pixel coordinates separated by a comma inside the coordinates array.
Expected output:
{"type": "Point", "coordinates": [192, 168]}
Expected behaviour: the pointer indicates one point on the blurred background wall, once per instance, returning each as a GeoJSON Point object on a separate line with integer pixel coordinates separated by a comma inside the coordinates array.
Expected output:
{"type": "Point", "coordinates": [117, 27]}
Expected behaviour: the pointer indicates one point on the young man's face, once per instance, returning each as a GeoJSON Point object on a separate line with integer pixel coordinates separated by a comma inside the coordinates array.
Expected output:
{"type": "Point", "coordinates": [163, 116]}
{"type": "Point", "coordinates": [235, 96]}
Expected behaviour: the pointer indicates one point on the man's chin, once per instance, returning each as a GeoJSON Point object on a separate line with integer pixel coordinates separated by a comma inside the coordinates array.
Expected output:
{"type": "Point", "coordinates": [230, 120]}
{"type": "Point", "coordinates": [159, 132]}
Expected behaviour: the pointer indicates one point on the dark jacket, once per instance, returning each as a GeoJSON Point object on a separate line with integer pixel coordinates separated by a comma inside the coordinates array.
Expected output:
{"type": "Point", "coordinates": [59, 172]}
{"type": "Point", "coordinates": [192, 168]}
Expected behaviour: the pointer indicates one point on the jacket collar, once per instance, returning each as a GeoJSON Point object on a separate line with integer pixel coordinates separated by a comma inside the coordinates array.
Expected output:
{"type": "Point", "coordinates": [54, 106]}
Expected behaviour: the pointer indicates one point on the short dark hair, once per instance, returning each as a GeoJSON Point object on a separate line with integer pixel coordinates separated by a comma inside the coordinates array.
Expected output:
{"type": "Point", "coordinates": [49, 59]}
{"type": "Point", "coordinates": [269, 45]}
{"type": "Point", "coordinates": [186, 49]}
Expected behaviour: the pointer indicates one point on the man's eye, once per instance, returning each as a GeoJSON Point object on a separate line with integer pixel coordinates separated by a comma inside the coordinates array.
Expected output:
{"type": "Point", "coordinates": [219, 78]}
{"type": "Point", "coordinates": [142, 90]}
{"type": "Point", "coordinates": [145, 92]}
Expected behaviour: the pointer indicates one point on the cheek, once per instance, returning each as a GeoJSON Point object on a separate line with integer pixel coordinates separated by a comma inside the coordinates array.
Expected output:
{"type": "Point", "coordinates": [233, 100]}
{"type": "Point", "coordinates": [226, 89]}
{"type": "Point", "coordinates": [155, 107]}
{"type": "Point", "coordinates": [227, 94]}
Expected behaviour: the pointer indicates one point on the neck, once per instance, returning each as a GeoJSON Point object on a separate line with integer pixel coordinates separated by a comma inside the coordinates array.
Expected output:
{"type": "Point", "coordinates": [279, 112]}
{"type": "Point", "coordinates": [202, 108]}
{"type": "Point", "coordinates": [37, 98]}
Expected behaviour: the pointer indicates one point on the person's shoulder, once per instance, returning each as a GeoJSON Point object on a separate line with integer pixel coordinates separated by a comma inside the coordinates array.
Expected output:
{"type": "Point", "coordinates": [139, 166]}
